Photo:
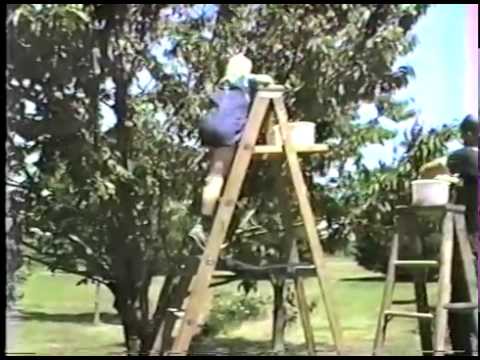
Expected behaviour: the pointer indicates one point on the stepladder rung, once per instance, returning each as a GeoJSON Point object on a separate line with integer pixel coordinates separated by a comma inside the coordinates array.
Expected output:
{"type": "Point", "coordinates": [409, 314]}
{"type": "Point", "coordinates": [417, 263]}
{"type": "Point", "coordinates": [463, 307]}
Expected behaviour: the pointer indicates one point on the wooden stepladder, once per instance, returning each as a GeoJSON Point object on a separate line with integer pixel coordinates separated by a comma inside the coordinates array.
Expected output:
{"type": "Point", "coordinates": [247, 148]}
{"type": "Point", "coordinates": [456, 270]}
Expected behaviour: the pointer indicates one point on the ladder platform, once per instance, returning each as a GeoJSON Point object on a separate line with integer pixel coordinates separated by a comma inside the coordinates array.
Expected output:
{"type": "Point", "coordinates": [417, 263]}
{"type": "Point", "coordinates": [273, 88]}
{"type": "Point", "coordinates": [407, 314]}
{"type": "Point", "coordinates": [276, 149]}
{"type": "Point", "coordinates": [271, 92]}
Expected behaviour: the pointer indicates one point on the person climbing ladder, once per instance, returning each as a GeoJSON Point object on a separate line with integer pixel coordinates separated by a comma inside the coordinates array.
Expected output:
{"type": "Point", "coordinates": [222, 129]}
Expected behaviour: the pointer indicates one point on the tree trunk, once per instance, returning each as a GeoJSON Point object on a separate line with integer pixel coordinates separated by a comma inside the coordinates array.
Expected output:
{"type": "Point", "coordinates": [96, 305]}
{"type": "Point", "coordinates": [133, 329]}
{"type": "Point", "coordinates": [174, 298]}
{"type": "Point", "coordinates": [159, 315]}
{"type": "Point", "coordinates": [280, 316]}
{"type": "Point", "coordinates": [144, 302]}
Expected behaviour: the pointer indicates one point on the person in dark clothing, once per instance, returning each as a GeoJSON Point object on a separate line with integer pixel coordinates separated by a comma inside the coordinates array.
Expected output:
{"type": "Point", "coordinates": [464, 162]}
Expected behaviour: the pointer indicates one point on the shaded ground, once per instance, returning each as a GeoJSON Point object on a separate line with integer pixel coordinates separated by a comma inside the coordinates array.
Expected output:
{"type": "Point", "coordinates": [55, 318]}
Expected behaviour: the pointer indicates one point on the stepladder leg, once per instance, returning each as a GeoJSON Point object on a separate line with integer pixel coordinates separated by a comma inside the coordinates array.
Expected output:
{"type": "Point", "coordinates": [463, 326]}
{"type": "Point", "coordinates": [444, 285]}
{"type": "Point", "coordinates": [221, 223]}
{"type": "Point", "coordinates": [305, 315]}
{"type": "Point", "coordinates": [291, 256]}
{"type": "Point", "coordinates": [421, 298]}
{"type": "Point", "coordinates": [387, 298]}
{"type": "Point", "coordinates": [420, 276]}
{"type": "Point", "coordinates": [309, 222]}
{"type": "Point", "coordinates": [301, 298]}
{"type": "Point", "coordinates": [164, 334]}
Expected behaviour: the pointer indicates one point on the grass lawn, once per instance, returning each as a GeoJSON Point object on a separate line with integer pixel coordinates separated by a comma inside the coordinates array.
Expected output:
{"type": "Point", "coordinates": [55, 317]}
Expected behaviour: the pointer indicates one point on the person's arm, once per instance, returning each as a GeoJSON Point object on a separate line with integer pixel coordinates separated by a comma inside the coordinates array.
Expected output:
{"type": "Point", "coordinates": [463, 162]}
{"type": "Point", "coordinates": [434, 168]}
{"type": "Point", "coordinates": [262, 79]}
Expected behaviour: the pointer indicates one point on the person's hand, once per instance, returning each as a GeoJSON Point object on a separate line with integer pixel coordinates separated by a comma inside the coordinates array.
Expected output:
{"type": "Point", "coordinates": [264, 79]}
{"type": "Point", "coordinates": [452, 179]}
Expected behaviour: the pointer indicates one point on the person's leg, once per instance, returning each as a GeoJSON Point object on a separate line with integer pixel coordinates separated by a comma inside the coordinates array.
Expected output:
{"type": "Point", "coordinates": [221, 159]}
{"type": "Point", "coordinates": [220, 162]}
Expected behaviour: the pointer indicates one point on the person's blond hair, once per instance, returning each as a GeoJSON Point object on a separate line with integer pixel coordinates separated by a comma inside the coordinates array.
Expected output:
{"type": "Point", "coordinates": [238, 66]}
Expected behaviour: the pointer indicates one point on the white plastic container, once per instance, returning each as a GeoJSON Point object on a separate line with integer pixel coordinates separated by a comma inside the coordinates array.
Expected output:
{"type": "Point", "coordinates": [430, 192]}
{"type": "Point", "coordinates": [302, 133]}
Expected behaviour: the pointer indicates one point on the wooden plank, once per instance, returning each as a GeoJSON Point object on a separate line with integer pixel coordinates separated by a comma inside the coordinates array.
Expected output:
{"type": "Point", "coordinates": [271, 92]}
{"type": "Point", "coordinates": [309, 221]}
{"type": "Point", "coordinates": [444, 285]}
{"type": "Point", "coordinates": [408, 314]}
{"type": "Point", "coordinates": [276, 149]}
{"type": "Point", "coordinates": [304, 315]}
{"type": "Point", "coordinates": [220, 226]}
{"type": "Point", "coordinates": [387, 299]}
{"type": "Point", "coordinates": [177, 300]}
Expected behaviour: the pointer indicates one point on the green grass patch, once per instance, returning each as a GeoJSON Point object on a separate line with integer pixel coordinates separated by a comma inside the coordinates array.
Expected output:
{"type": "Point", "coordinates": [56, 317]}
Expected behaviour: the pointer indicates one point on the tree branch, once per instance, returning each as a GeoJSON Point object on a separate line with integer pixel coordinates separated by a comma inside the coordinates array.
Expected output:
{"type": "Point", "coordinates": [16, 185]}
{"type": "Point", "coordinates": [68, 270]}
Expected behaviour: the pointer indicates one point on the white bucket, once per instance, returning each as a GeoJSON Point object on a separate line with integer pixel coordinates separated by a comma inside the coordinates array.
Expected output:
{"type": "Point", "coordinates": [430, 192]}
{"type": "Point", "coordinates": [301, 132]}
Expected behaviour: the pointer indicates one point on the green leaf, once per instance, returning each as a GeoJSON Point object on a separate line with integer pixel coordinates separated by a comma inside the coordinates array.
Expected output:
{"type": "Point", "coordinates": [79, 13]}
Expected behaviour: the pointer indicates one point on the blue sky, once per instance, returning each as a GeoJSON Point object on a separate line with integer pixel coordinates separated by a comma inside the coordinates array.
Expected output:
{"type": "Point", "coordinates": [438, 89]}
{"type": "Point", "coordinates": [439, 62]}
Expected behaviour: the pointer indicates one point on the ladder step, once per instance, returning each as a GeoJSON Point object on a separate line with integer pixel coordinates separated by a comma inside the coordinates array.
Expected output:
{"type": "Point", "coordinates": [407, 314]}
{"type": "Point", "coordinates": [275, 149]}
{"type": "Point", "coordinates": [461, 307]}
{"type": "Point", "coordinates": [415, 263]}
